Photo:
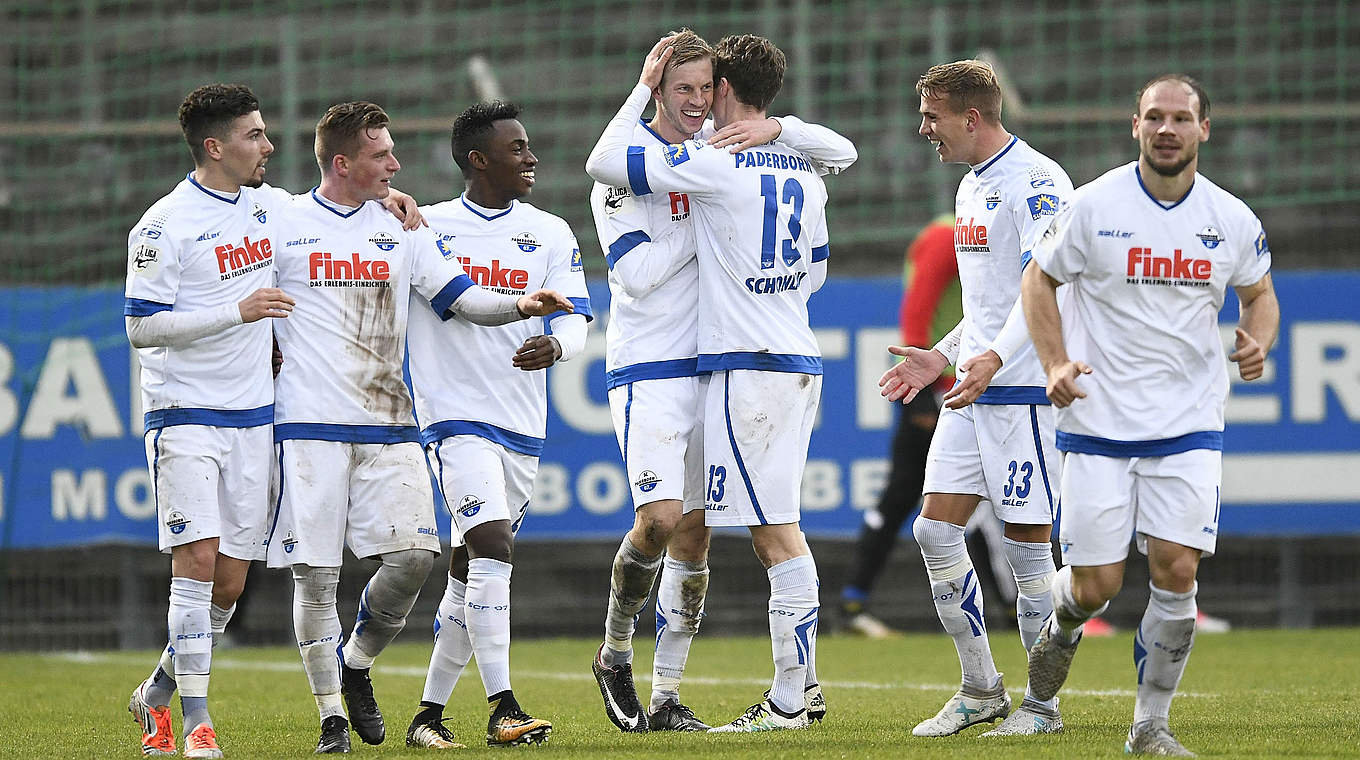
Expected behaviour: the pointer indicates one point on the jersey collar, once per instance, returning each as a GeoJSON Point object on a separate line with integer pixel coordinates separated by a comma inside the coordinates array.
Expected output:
{"type": "Point", "coordinates": [215, 194]}
{"type": "Point", "coordinates": [486, 213]}
{"type": "Point", "coordinates": [988, 163]}
{"type": "Point", "coordinates": [1139, 175]}
{"type": "Point", "coordinates": [652, 132]}
{"type": "Point", "coordinates": [344, 212]}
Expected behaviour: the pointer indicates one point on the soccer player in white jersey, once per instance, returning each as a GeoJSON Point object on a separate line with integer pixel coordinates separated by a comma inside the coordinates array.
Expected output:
{"type": "Point", "coordinates": [761, 237]}
{"type": "Point", "coordinates": [349, 464]}
{"type": "Point", "coordinates": [199, 289]}
{"type": "Point", "coordinates": [994, 439]}
{"type": "Point", "coordinates": [653, 383]}
{"type": "Point", "coordinates": [481, 398]}
{"type": "Point", "coordinates": [1136, 368]}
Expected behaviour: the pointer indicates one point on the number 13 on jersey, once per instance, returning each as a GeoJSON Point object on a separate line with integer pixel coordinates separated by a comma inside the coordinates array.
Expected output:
{"type": "Point", "coordinates": [793, 196]}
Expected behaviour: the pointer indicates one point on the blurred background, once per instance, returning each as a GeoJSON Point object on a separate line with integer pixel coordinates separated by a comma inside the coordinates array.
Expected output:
{"type": "Point", "coordinates": [89, 139]}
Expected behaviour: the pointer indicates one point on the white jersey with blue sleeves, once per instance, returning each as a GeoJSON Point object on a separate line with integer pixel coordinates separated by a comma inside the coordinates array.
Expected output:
{"type": "Point", "coordinates": [648, 244]}
{"type": "Point", "coordinates": [760, 223]}
{"type": "Point", "coordinates": [461, 374]}
{"type": "Point", "coordinates": [198, 249]}
{"type": "Point", "coordinates": [1147, 283]}
{"type": "Point", "coordinates": [351, 272]}
{"type": "Point", "coordinates": [1002, 208]}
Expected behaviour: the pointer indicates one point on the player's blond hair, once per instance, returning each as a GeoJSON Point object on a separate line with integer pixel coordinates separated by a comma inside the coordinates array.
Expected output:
{"type": "Point", "coordinates": [337, 134]}
{"type": "Point", "coordinates": [964, 85]}
{"type": "Point", "coordinates": [687, 47]}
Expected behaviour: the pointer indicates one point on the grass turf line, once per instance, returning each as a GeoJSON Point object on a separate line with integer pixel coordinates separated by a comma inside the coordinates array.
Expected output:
{"type": "Point", "coordinates": [1252, 694]}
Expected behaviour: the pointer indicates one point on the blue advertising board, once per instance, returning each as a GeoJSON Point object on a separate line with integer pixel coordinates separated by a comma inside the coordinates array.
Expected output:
{"type": "Point", "coordinates": [72, 467]}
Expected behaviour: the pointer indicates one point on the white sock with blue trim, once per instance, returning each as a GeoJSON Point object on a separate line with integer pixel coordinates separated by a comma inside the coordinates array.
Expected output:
{"type": "Point", "coordinates": [958, 599]}
{"type": "Point", "coordinates": [793, 629]}
{"type": "Point", "coordinates": [1161, 649]}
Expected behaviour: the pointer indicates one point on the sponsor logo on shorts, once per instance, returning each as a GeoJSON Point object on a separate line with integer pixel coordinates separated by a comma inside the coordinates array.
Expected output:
{"type": "Point", "coordinates": [647, 481]}
{"type": "Point", "coordinates": [526, 242]}
{"type": "Point", "coordinates": [427, 531]}
{"type": "Point", "coordinates": [289, 542]}
{"type": "Point", "coordinates": [470, 505]}
{"type": "Point", "coordinates": [1064, 546]}
{"type": "Point", "coordinates": [711, 507]}
{"type": "Point", "coordinates": [177, 522]}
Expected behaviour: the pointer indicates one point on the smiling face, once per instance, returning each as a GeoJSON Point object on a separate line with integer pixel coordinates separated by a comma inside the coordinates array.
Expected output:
{"type": "Point", "coordinates": [371, 168]}
{"type": "Point", "coordinates": [244, 150]}
{"type": "Point", "coordinates": [510, 165]}
{"type": "Point", "coordinates": [947, 130]}
{"type": "Point", "coordinates": [683, 99]}
{"type": "Point", "coordinates": [1169, 129]}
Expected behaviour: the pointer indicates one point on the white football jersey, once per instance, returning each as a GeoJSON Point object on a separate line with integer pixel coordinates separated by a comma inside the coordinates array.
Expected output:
{"type": "Point", "coordinates": [197, 249]}
{"type": "Point", "coordinates": [1002, 208]}
{"type": "Point", "coordinates": [648, 244]}
{"type": "Point", "coordinates": [1147, 283]}
{"type": "Point", "coordinates": [761, 222]}
{"type": "Point", "coordinates": [461, 373]}
{"type": "Point", "coordinates": [351, 272]}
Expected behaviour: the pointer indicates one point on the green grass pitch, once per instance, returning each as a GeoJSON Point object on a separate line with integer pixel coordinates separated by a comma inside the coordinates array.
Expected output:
{"type": "Point", "coordinates": [1246, 694]}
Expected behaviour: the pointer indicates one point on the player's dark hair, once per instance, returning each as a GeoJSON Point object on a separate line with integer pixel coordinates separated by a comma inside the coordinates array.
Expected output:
{"type": "Point", "coordinates": [209, 111]}
{"type": "Point", "coordinates": [753, 66]}
{"type": "Point", "coordinates": [964, 85]}
{"type": "Point", "coordinates": [338, 132]}
{"type": "Point", "coordinates": [687, 47]}
{"type": "Point", "coordinates": [1184, 79]}
{"type": "Point", "coordinates": [474, 125]}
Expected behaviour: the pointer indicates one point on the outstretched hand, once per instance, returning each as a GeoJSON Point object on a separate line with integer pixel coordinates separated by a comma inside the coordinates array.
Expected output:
{"type": "Point", "coordinates": [920, 368]}
{"type": "Point", "coordinates": [541, 303]}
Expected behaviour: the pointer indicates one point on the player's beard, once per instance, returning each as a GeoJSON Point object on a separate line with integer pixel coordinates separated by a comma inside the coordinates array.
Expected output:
{"type": "Point", "coordinates": [253, 182]}
{"type": "Point", "coordinates": [1171, 170]}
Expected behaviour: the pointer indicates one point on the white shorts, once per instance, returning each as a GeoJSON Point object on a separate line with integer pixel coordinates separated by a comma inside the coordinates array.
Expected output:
{"type": "Point", "coordinates": [757, 425]}
{"type": "Point", "coordinates": [375, 497]}
{"type": "Point", "coordinates": [481, 481]}
{"type": "Point", "coordinates": [1107, 499]}
{"type": "Point", "coordinates": [211, 482]}
{"type": "Point", "coordinates": [660, 429]}
{"type": "Point", "coordinates": [1004, 453]}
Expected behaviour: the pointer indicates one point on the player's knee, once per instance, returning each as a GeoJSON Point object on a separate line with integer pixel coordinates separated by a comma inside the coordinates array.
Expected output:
{"type": "Point", "coordinates": [493, 540]}
{"type": "Point", "coordinates": [409, 567]}
{"type": "Point", "coordinates": [226, 590]}
{"type": "Point", "coordinates": [654, 525]}
{"type": "Point", "coordinates": [315, 585]}
{"type": "Point", "coordinates": [689, 543]}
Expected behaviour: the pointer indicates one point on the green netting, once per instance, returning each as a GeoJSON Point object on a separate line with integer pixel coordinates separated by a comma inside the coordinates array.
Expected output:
{"type": "Point", "coordinates": [88, 139]}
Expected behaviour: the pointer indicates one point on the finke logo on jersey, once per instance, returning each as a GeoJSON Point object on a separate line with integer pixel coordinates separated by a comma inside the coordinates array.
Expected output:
{"type": "Point", "coordinates": [526, 242]}
{"type": "Point", "coordinates": [1261, 246]}
{"type": "Point", "coordinates": [259, 214]}
{"type": "Point", "coordinates": [679, 207]}
{"type": "Point", "coordinates": [675, 154]}
{"type": "Point", "coordinates": [444, 243]}
{"type": "Point", "coordinates": [1146, 269]}
{"type": "Point", "coordinates": [993, 200]}
{"type": "Point", "coordinates": [1209, 237]}
{"type": "Point", "coordinates": [176, 522]}
{"type": "Point", "coordinates": [970, 237]}
{"type": "Point", "coordinates": [1043, 204]}
{"type": "Point", "coordinates": [324, 268]}
{"type": "Point", "coordinates": [496, 277]}
{"type": "Point", "coordinates": [384, 241]}
{"type": "Point", "coordinates": [615, 198]}
{"type": "Point", "coordinates": [144, 256]}
{"type": "Point", "coordinates": [647, 481]}
{"type": "Point", "coordinates": [1039, 177]}
{"type": "Point", "coordinates": [470, 505]}
{"type": "Point", "coordinates": [577, 264]}
{"type": "Point", "coordinates": [236, 260]}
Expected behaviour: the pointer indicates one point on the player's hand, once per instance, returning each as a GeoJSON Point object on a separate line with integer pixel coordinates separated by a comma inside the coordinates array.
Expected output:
{"type": "Point", "coordinates": [541, 303]}
{"type": "Point", "coordinates": [265, 302]}
{"type": "Point", "coordinates": [980, 370]}
{"type": "Point", "coordinates": [538, 352]}
{"type": "Point", "coordinates": [1250, 356]}
{"type": "Point", "coordinates": [655, 63]}
{"type": "Point", "coordinates": [921, 368]}
{"type": "Point", "coordinates": [277, 358]}
{"type": "Point", "coordinates": [405, 208]}
{"type": "Point", "coordinates": [747, 133]}
{"type": "Point", "coordinates": [1062, 382]}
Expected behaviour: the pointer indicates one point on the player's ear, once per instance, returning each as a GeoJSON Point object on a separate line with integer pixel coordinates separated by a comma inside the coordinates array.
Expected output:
{"type": "Point", "coordinates": [477, 159]}
{"type": "Point", "coordinates": [340, 165]}
{"type": "Point", "coordinates": [212, 148]}
{"type": "Point", "coordinates": [1204, 130]}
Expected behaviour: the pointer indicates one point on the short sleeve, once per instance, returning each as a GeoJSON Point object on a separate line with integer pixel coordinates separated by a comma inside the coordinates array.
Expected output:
{"type": "Point", "coordinates": [566, 275]}
{"type": "Point", "coordinates": [1253, 255]}
{"type": "Point", "coordinates": [1061, 249]}
{"type": "Point", "coordinates": [437, 279]}
{"type": "Point", "coordinates": [153, 269]}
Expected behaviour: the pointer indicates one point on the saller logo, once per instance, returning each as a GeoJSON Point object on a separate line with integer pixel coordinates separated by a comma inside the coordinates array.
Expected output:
{"type": "Point", "coordinates": [1178, 267]}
